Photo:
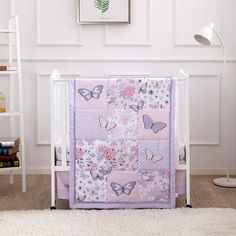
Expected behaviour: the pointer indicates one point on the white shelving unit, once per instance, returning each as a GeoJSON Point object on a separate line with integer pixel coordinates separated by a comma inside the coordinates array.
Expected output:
{"type": "Point", "coordinates": [15, 77]}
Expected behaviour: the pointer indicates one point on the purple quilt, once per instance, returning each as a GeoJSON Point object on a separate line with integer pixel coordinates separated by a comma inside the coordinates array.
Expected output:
{"type": "Point", "coordinates": [122, 143]}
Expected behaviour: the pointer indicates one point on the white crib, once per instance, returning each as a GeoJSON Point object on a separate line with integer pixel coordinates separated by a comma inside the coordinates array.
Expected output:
{"type": "Point", "coordinates": [59, 89]}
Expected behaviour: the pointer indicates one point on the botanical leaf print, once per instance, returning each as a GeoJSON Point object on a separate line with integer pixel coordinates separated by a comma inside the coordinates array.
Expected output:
{"type": "Point", "coordinates": [102, 5]}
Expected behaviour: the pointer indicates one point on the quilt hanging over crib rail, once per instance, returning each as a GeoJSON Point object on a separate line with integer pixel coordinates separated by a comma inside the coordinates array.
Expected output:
{"type": "Point", "coordinates": [122, 143]}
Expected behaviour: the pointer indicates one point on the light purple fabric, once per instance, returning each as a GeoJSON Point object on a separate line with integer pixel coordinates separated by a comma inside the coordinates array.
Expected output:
{"type": "Point", "coordinates": [122, 187]}
{"type": "Point", "coordinates": [157, 148]}
{"type": "Point", "coordinates": [87, 124]}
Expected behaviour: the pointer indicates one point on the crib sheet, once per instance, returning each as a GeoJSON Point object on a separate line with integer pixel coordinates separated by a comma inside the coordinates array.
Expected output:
{"type": "Point", "coordinates": [122, 143]}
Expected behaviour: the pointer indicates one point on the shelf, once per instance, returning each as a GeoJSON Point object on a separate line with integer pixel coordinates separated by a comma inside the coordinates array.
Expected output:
{"type": "Point", "coordinates": [7, 31]}
{"type": "Point", "coordinates": [10, 114]}
{"type": "Point", "coordinates": [9, 72]}
{"type": "Point", "coordinates": [10, 168]}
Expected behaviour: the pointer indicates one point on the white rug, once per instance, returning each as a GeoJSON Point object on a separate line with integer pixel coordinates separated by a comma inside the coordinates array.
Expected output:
{"type": "Point", "coordinates": [179, 222]}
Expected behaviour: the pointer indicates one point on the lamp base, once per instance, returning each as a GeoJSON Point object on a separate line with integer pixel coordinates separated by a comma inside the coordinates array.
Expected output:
{"type": "Point", "coordinates": [225, 182]}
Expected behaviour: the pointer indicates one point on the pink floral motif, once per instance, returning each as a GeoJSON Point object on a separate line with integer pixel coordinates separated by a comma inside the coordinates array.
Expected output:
{"type": "Point", "coordinates": [79, 153]}
{"type": "Point", "coordinates": [108, 152]}
{"type": "Point", "coordinates": [128, 91]}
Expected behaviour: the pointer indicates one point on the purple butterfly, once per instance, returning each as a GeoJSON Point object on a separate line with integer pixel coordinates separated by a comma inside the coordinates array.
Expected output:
{"type": "Point", "coordinates": [149, 124]}
{"type": "Point", "coordinates": [95, 93]}
{"type": "Point", "coordinates": [126, 189]}
{"type": "Point", "coordinates": [105, 171]}
{"type": "Point", "coordinates": [138, 107]}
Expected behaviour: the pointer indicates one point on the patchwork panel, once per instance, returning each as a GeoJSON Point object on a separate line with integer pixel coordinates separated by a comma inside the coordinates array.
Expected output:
{"type": "Point", "coordinates": [91, 94]}
{"type": "Point", "coordinates": [155, 93]}
{"type": "Point", "coordinates": [122, 93]}
{"type": "Point", "coordinates": [153, 154]}
{"type": "Point", "coordinates": [126, 124]}
{"type": "Point", "coordinates": [154, 185]}
{"type": "Point", "coordinates": [122, 186]}
{"type": "Point", "coordinates": [90, 188]}
{"type": "Point", "coordinates": [153, 124]}
{"type": "Point", "coordinates": [91, 124]}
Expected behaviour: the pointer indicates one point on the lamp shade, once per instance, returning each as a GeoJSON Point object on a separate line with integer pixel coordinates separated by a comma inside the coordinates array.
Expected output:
{"type": "Point", "coordinates": [205, 35]}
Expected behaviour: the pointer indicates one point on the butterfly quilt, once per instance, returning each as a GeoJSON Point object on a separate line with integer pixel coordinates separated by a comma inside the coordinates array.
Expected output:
{"type": "Point", "coordinates": [122, 143]}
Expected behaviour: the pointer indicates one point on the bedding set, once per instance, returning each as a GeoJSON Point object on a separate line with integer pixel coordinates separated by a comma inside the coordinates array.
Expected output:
{"type": "Point", "coordinates": [122, 143]}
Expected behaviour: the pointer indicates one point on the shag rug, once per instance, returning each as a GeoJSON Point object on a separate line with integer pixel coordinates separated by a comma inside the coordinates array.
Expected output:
{"type": "Point", "coordinates": [182, 221]}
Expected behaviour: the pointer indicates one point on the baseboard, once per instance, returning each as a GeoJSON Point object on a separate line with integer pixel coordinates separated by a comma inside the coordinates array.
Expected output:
{"type": "Point", "coordinates": [32, 170]}
{"type": "Point", "coordinates": [213, 171]}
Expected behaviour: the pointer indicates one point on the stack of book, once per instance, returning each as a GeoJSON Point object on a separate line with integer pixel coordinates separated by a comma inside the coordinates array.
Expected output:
{"type": "Point", "coordinates": [9, 147]}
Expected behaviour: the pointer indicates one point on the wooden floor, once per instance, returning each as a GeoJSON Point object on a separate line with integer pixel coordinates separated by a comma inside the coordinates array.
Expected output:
{"type": "Point", "coordinates": [203, 194]}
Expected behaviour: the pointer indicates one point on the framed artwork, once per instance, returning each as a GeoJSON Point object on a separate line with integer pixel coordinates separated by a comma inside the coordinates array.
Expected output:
{"type": "Point", "coordinates": [103, 11]}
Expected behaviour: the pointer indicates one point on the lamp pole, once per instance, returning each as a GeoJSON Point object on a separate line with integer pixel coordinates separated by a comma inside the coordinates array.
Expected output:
{"type": "Point", "coordinates": [225, 182]}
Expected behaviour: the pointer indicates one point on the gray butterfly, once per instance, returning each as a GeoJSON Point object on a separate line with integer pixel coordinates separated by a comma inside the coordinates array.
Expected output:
{"type": "Point", "coordinates": [126, 189]}
{"type": "Point", "coordinates": [105, 171]}
{"type": "Point", "coordinates": [154, 126]}
{"type": "Point", "coordinates": [138, 107]}
{"type": "Point", "coordinates": [87, 94]}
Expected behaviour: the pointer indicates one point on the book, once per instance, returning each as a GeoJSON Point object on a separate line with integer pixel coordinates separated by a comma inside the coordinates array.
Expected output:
{"type": "Point", "coordinates": [8, 158]}
{"type": "Point", "coordinates": [8, 151]}
{"type": "Point", "coordinates": [14, 162]}
{"type": "Point", "coordinates": [9, 141]}
{"type": "Point", "coordinates": [8, 68]}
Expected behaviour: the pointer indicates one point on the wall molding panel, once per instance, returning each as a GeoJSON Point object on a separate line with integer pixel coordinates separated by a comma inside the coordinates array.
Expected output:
{"type": "Point", "coordinates": [187, 42]}
{"type": "Point", "coordinates": [211, 130]}
{"type": "Point", "coordinates": [147, 42]}
{"type": "Point", "coordinates": [54, 43]}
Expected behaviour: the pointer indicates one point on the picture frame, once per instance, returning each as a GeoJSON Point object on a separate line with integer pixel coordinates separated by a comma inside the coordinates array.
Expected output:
{"type": "Point", "coordinates": [103, 11]}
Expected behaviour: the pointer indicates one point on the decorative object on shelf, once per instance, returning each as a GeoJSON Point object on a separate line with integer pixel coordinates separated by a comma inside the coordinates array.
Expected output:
{"type": "Point", "coordinates": [8, 68]}
{"type": "Point", "coordinates": [2, 102]}
{"type": "Point", "coordinates": [3, 68]}
{"type": "Point", "coordinates": [205, 37]}
{"type": "Point", "coordinates": [103, 11]}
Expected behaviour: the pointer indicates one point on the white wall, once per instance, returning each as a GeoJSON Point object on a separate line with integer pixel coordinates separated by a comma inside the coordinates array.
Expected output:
{"type": "Point", "coordinates": [157, 42]}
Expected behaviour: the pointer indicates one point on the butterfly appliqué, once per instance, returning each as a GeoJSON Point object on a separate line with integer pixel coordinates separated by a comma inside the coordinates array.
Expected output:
{"type": "Point", "coordinates": [105, 171]}
{"type": "Point", "coordinates": [151, 157]}
{"type": "Point", "coordinates": [126, 189]}
{"type": "Point", "coordinates": [105, 124]}
{"type": "Point", "coordinates": [154, 126]}
{"type": "Point", "coordinates": [138, 107]}
{"type": "Point", "coordinates": [87, 94]}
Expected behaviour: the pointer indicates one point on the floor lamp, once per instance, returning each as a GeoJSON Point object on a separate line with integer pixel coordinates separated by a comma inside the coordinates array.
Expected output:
{"type": "Point", "coordinates": [205, 37]}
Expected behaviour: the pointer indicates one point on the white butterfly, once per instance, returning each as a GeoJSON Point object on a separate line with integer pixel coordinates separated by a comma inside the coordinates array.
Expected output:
{"type": "Point", "coordinates": [137, 107]}
{"type": "Point", "coordinates": [151, 157]}
{"type": "Point", "coordinates": [96, 175]}
{"type": "Point", "coordinates": [105, 124]}
{"type": "Point", "coordinates": [95, 93]}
